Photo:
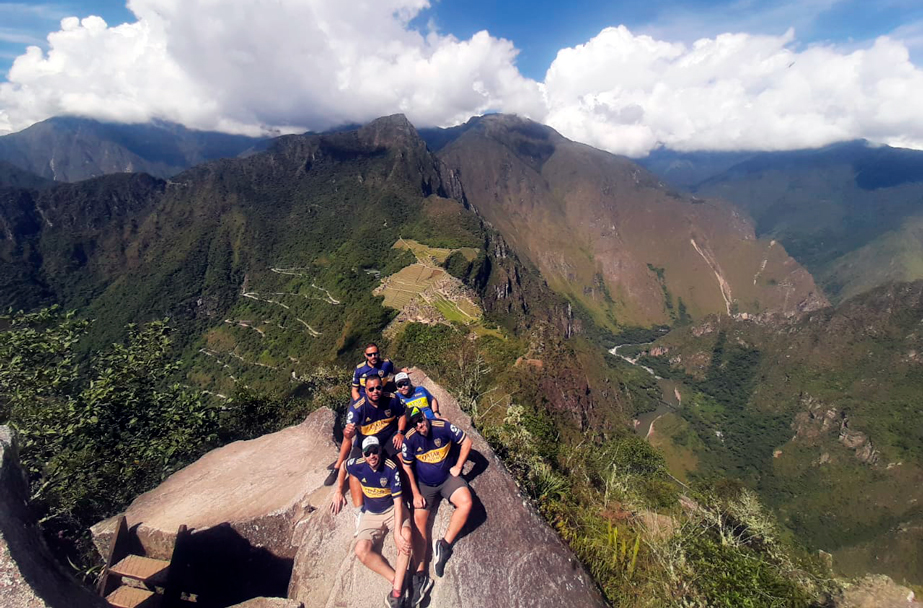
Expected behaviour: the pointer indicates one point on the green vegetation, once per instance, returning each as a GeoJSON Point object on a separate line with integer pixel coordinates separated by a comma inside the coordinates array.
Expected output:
{"type": "Point", "coordinates": [758, 396]}
{"type": "Point", "coordinates": [608, 494]}
{"type": "Point", "coordinates": [97, 432]}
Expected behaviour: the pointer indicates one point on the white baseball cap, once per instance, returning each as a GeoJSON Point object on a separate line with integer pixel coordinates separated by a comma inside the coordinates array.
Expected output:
{"type": "Point", "coordinates": [401, 376]}
{"type": "Point", "coordinates": [370, 441]}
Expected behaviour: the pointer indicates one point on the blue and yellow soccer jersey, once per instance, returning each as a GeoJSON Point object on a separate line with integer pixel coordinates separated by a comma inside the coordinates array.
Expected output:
{"type": "Point", "coordinates": [384, 370]}
{"type": "Point", "coordinates": [421, 398]}
{"type": "Point", "coordinates": [380, 421]}
{"type": "Point", "coordinates": [432, 453]}
{"type": "Point", "coordinates": [380, 487]}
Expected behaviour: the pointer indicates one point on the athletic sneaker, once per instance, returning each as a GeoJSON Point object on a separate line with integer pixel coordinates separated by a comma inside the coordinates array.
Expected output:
{"type": "Point", "coordinates": [394, 602]}
{"type": "Point", "coordinates": [421, 585]}
{"type": "Point", "coordinates": [442, 551]}
{"type": "Point", "coordinates": [332, 475]}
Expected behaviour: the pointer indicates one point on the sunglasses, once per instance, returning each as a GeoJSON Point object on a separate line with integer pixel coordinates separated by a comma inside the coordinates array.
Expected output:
{"type": "Point", "coordinates": [375, 354]}
{"type": "Point", "coordinates": [402, 384]}
{"type": "Point", "coordinates": [373, 451]}
{"type": "Point", "coordinates": [420, 421]}
{"type": "Point", "coordinates": [373, 389]}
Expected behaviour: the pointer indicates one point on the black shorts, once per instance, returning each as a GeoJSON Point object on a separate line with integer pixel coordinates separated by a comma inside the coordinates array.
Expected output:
{"type": "Point", "coordinates": [443, 490]}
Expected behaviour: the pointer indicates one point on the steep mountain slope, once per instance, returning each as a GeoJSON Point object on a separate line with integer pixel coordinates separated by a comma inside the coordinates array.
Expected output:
{"type": "Point", "coordinates": [69, 149]}
{"type": "Point", "coordinates": [822, 415]}
{"type": "Point", "coordinates": [849, 212]}
{"type": "Point", "coordinates": [611, 237]}
{"type": "Point", "coordinates": [12, 176]}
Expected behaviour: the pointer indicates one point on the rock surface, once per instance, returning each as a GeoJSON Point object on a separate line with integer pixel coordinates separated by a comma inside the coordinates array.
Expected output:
{"type": "Point", "coordinates": [269, 602]}
{"type": "Point", "coordinates": [268, 495]}
{"type": "Point", "coordinates": [507, 556]}
{"type": "Point", "coordinates": [877, 592]}
{"type": "Point", "coordinates": [258, 488]}
{"type": "Point", "coordinates": [29, 575]}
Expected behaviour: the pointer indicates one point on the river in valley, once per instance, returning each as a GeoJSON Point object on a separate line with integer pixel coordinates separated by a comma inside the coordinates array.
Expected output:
{"type": "Point", "coordinates": [670, 399]}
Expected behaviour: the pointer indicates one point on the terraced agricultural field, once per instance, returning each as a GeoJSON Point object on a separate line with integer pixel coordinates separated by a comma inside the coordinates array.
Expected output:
{"type": "Point", "coordinates": [405, 285]}
{"type": "Point", "coordinates": [427, 255]}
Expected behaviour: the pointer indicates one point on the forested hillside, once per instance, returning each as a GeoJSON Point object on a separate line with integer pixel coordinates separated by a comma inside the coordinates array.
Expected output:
{"type": "Point", "coordinates": [821, 415]}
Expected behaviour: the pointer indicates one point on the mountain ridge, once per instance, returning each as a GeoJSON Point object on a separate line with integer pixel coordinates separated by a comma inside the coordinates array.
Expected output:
{"type": "Point", "coordinates": [68, 149]}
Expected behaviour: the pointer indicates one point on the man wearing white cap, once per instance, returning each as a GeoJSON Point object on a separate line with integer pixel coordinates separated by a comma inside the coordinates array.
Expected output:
{"type": "Point", "coordinates": [416, 396]}
{"type": "Point", "coordinates": [384, 511]}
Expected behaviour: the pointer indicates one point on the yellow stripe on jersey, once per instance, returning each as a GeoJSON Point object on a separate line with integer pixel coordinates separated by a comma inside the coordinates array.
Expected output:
{"type": "Point", "coordinates": [421, 400]}
{"type": "Point", "coordinates": [435, 456]}
{"type": "Point", "coordinates": [377, 492]}
{"type": "Point", "coordinates": [374, 427]}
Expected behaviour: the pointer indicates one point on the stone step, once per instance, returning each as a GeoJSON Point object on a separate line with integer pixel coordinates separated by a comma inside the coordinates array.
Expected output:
{"type": "Point", "coordinates": [141, 568]}
{"type": "Point", "coordinates": [132, 597]}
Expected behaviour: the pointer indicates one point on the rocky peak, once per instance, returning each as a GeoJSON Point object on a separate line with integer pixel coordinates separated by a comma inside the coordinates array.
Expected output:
{"type": "Point", "coordinates": [259, 513]}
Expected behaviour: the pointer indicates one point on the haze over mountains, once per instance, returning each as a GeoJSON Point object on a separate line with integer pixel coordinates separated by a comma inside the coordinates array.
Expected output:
{"type": "Point", "coordinates": [69, 149]}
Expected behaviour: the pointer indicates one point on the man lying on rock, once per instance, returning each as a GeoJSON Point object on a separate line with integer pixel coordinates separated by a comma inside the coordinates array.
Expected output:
{"type": "Point", "coordinates": [426, 456]}
{"type": "Point", "coordinates": [415, 396]}
{"type": "Point", "coordinates": [380, 481]}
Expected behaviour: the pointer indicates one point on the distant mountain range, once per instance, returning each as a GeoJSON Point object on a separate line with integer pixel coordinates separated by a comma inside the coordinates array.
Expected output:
{"type": "Point", "coordinates": [852, 213]}
{"type": "Point", "coordinates": [69, 149]}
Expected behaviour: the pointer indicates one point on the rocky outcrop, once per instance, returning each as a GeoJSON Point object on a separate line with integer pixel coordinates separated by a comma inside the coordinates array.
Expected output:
{"type": "Point", "coordinates": [820, 420]}
{"type": "Point", "coordinates": [29, 575]}
{"type": "Point", "coordinates": [876, 592]}
{"type": "Point", "coordinates": [267, 496]}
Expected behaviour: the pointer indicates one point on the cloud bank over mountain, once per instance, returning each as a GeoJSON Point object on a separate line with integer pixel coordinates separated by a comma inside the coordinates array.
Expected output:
{"type": "Point", "coordinates": [293, 65]}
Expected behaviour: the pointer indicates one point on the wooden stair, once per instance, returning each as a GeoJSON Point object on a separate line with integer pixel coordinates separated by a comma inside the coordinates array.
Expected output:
{"type": "Point", "coordinates": [132, 597]}
{"type": "Point", "coordinates": [136, 581]}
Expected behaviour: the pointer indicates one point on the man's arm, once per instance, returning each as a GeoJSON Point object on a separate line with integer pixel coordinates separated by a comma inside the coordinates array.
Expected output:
{"type": "Point", "coordinates": [338, 501]}
{"type": "Point", "coordinates": [434, 404]}
{"type": "Point", "coordinates": [462, 457]}
{"type": "Point", "coordinates": [398, 438]}
{"type": "Point", "coordinates": [418, 501]}
{"type": "Point", "coordinates": [355, 385]}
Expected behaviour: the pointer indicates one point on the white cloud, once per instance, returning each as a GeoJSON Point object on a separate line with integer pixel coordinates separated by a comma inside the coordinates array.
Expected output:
{"type": "Point", "coordinates": [290, 64]}
{"type": "Point", "coordinates": [312, 64]}
{"type": "Point", "coordinates": [628, 93]}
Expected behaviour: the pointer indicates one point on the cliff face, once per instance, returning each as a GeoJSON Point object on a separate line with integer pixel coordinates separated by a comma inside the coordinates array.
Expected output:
{"type": "Point", "coordinates": [259, 508]}
{"type": "Point", "coordinates": [29, 576]}
{"type": "Point", "coordinates": [608, 234]}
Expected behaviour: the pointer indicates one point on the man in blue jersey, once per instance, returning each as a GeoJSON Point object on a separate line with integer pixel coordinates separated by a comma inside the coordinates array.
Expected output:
{"type": "Point", "coordinates": [416, 396]}
{"type": "Point", "coordinates": [373, 366]}
{"type": "Point", "coordinates": [377, 414]}
{"type": "Point", "coordinates": [380, 481]}
{"type": "Point", "coordinates": [434, 475]}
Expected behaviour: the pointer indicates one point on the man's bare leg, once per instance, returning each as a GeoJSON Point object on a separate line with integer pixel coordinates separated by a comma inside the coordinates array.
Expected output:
{"type": "Point", "coordinates": [420, 538]}
{"type": "Point", "coordinates": [461, 499]}
{"type": "Point", "coordinates": [374, 561]}
{"type": "Point", "coordinates": [403, 560]}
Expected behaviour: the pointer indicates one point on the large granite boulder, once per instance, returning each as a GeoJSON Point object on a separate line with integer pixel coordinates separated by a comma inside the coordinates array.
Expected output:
{"type": "Point", "coordinates": [29, 575]}
{"type": "Point", "coordinates": [261, 523]}
{"type": "Point", "coordinates": [507, 556]}
{"type": "Point", "coordinates": [240, 503]}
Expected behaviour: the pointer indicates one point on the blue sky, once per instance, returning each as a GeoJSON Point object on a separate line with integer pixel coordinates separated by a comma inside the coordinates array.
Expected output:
{"type": "Point", "coordinates": [627, 77]}
{"type": "Point", "coordinates": [539, 28]}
